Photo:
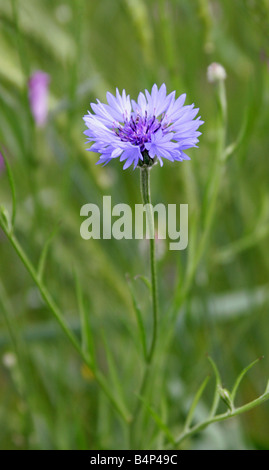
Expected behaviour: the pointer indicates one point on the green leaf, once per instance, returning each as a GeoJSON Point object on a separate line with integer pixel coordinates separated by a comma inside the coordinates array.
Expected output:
{"type": "Point", "coordinates": [195, 403]}
{"type": "Point", "coordinates": [4, 219]}
{"type": "Point", "coordinates": [12, 187]}
{"type": "Point", "coordinates": [240, 377]}
{"type": "Point", "coordinates": [145, 280]}
{"type": "Point", "coordinates": [44, 253]}
{"type": "Point", "coordinates": [217, 387]}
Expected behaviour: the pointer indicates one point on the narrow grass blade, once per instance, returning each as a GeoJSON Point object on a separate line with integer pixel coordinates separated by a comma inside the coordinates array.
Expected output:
{"type": "Point", "coordinates": [162, 426]}
{"type": "Point", "coordinates": [44, 253]}
{"type": "Point", "coordinates": [240, 377]}
{"type": "Point", "coordinates": [113, 371]}
{"type": "Point", "coordinates": [217, 387]}
{"type": "Point", "coordinates": [145, 280]}
{"type": "Point", "coordinates": [195, 403]}
{"type": "Point", "coordinates": [12, 187]}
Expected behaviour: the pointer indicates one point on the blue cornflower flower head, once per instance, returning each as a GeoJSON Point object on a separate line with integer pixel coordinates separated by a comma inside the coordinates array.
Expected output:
{"type": "Point", "coordinates": [141, 133]}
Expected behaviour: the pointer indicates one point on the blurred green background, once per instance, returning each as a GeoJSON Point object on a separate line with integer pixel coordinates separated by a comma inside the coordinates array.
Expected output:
{"type": "Point", "coordinates": [48, 398]}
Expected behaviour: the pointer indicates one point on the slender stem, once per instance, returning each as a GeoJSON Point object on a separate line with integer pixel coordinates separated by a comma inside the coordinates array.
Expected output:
{"type": "Point", "coordinates": [12, 186]}
{"type": "Point", "coordinates": [59, 317]}
{"type": "Point", "coordinates": [221, 417]}
{"type": "Point", "coordinates": [146, 198]}
{"type": "Point", "coordinates": [43, 290]}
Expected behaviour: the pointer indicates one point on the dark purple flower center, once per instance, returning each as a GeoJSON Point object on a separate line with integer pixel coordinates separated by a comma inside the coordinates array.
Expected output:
{"type": "Point", "coordinates": [138, 130]}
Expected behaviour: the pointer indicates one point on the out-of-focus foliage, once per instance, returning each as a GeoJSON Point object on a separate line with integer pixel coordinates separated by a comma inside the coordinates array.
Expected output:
{"type": "Point", "coordinates": [48, 397]}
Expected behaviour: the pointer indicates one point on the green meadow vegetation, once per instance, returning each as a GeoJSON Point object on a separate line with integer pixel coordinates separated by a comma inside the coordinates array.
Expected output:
{"type": "Point", "coordinates": [76, 315]}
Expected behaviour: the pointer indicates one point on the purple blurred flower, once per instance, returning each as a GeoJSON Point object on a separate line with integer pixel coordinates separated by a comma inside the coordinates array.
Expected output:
{"type": "Point", "coordinates": [38, 96]}
{"type": "Point", "coordinates": [156, 126]}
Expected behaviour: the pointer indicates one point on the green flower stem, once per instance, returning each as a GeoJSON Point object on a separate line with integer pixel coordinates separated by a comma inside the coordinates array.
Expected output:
{"type": "Point", "coordinates": [146, 198]}
{"type": "Point", "coordinates": [60, 319]}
